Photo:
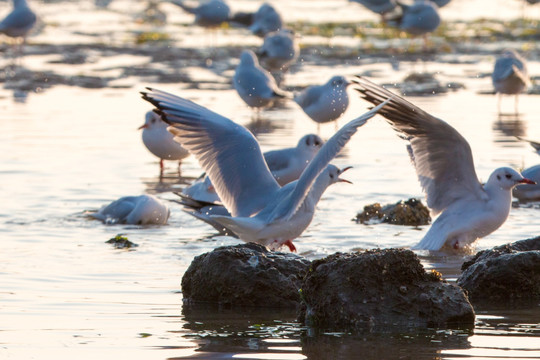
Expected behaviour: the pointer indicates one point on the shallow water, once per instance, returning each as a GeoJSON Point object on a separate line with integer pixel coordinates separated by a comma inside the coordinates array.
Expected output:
{"type": "Point", "coordinates": [67, 149]}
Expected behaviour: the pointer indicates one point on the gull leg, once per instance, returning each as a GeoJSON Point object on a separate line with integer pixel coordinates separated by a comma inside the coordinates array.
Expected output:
{"type": "Point", "coordinates": [516, 104]}
{"type": "Point", "coordinates": [290, 245]}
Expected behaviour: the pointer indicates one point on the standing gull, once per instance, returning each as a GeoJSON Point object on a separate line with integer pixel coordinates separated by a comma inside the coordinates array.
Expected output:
{"type": "Point", "coordinates": [380, 7]}
{"type": "Point", "coordinates": [19, 22]}
{"type": "Point", "coordinates": [444, 164]}
{"type": "Point", "coordinates": [256, 86]}
{"type": "Point", "coordinates": [208, 14]}
{"type": "Point", "coordinates": [233, 160]}
{"type": "Point", "coordinates": [266, 20]}
{"type": "Point", "coordinates": [510, 76]}
{"type": "Point", "coordinates": [325, 103]}
{"type": "Point", "coordinates": [159, 141]}
{"type": "Point", "coordinates": [279, 50]}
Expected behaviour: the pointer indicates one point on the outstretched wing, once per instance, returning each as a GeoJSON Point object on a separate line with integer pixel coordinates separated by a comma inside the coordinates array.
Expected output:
{"type": "Point", "coordinates": [441, 156]}
{"type": "Point", "coordinates": [327, 152]}
{"type": "Point", "coordinates": [227, 151]}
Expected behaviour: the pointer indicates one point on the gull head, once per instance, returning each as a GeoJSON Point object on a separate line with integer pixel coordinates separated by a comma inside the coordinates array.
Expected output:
{"type": "Point", "coordinates": [152, 121]}
{"type": "Point", "coordinates": [339, 83]}
{"type": "Point", "coordinates": [506, 178]}
{"type": "Point", "coordinates": [248, 58]}
{"type": "Point", "coordinates": [310, 142]}
{"type": "Point", "coordinates": [333, 173]}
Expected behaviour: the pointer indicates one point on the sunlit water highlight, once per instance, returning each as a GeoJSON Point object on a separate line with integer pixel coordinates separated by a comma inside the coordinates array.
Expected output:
{"type": "Point", "coordinates": [65, 293]}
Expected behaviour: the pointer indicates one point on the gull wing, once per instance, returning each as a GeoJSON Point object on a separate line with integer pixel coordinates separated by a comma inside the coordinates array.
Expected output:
{"type": "Point", "coordinates": [441, 156]}
{"type": "Point", "coordinates": [227, 151]}
{"type": "Point", "coordinates": [504, 67]}
{"type": "Point", "coordinates": [309, 96]}
{"type": "Point", "coordinates": [278, 159]}
{"type": "Point", "coordinates": [326, 154]}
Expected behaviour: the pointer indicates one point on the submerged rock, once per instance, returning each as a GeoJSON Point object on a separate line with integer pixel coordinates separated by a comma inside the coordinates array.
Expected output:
{"type": "Point", "coordinates": [245, 274]}
{"type": "Point", "coordinates": [380, 290]}
{"type": "Point", "coordinates": [507, 275]}
{"type": "Point", "coordinates": [411, 212]}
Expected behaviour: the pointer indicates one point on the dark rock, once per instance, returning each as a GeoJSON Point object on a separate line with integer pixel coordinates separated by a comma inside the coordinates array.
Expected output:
{"type": "Point", "coordinates": [245, 274]}
{"type": "Point", "coordinates": [507, 275]}
{"type": "Point", "coordinates": [411, 212]}
{"type": "Point", "coordinates": [121, 242]}
{"type": "Point", "coordinates": [380, 290]}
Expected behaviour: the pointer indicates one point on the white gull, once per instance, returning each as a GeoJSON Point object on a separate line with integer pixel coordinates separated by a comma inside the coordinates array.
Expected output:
{"type": "Point", "coordinates": [444, 165]}
{"type": "Point", "coordinates": [159, 141]}
{"type": "Point", "coordinates": [233, 160]}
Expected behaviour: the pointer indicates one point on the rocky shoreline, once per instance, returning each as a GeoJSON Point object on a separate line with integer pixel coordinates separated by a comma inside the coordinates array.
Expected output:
{"type": "Point", "coordinates": [379, 290]}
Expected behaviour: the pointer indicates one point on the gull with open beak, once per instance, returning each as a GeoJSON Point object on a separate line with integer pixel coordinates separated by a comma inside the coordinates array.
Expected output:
{"type": "Point", "coordinates": [232, 158]}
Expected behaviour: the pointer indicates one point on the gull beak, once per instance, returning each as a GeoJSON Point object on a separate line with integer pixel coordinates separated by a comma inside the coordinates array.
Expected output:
{"type": "Point", "coordinates": [526, 181]}
{"type": "Point", "coordinates": [342, 171]}
{"type": "Point", "coordinates": [142, 127]}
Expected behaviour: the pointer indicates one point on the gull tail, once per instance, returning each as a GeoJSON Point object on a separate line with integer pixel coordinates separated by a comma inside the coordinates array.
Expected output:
{"type": "Point", "coordinates": [207, 218]}
{"type": "Point", "coordinates": [186, 8]}
{"type": "Point", "coordinates": [521, 75]}
{"type": "Point", "coordinates": [283, 94]}
{"type": "Point", "coordinates": [246, 228]}
{"type": "Point", "coordinates": [434, 239]}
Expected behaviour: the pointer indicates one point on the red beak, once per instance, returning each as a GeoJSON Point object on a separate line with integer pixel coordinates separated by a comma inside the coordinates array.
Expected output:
{"type": "Point", "coordinates": [142, 127]}
{"type": "Point", "coordinates": [527, 181]}
{"type": "Point", "coordinates": [342, 171]}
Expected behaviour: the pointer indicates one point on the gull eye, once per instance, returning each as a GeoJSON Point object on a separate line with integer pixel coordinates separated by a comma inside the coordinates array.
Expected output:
{"type": "Point", "coordinates": [508, 176]}
{"type": "Point", "coordinates": [153, 120]}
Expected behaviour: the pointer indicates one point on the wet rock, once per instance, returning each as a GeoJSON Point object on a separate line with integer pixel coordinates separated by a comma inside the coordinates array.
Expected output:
{"type": "Point", "coordinates": [121, 242]}
{"type": "Point", "coordinates": [411, 212]}
{"type": "Point", "coordinates": [505, 276]}
{"type": "Point", "coordinates": [245, 275]}
{"type": "Point", "coordinates": [381, 291]}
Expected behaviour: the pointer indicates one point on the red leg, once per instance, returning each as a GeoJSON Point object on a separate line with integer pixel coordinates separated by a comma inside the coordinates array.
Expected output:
{"type": "Point", "coordinates": [290, 245]}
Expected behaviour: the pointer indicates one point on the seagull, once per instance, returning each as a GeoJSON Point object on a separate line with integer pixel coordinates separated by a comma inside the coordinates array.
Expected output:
{"type": "Point", "coordinates": [325, 103]}
{"type": "Point", "coordinates": [134, 210]}
{"type": "Point", "coordinates": [19, 21]}
{"type": "Point", "coordinates": [444, 164]}
{"type": "Point", "coordinates": [279, 50]}
{"type": "Point", "coordinates": [380, 7]}
{"type": "Point", "coordinates": [510, 76]}
{"type": "Point", "coordinates": [420, 18]}
{"type": "Point", "coordinates": [440, 3]}
{"type": "Point", "coordinates": [266, 20]}
{"type": "Point", "coordinates": [286, 165]}
{"type": "Point", "coordinates": [233, 160]}
{"type": "Point", "coordinates": [256, 86]}
{"type": "Point", "coordinates": [159, 141]}
{"type": "Point", "coordinates": [526, 193]}
{"type": "Point", "coordinates": [211, 13]}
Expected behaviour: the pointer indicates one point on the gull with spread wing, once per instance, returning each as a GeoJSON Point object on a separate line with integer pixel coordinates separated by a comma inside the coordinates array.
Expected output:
{"type": "Point", "coordinates": [444, 164]}
{"type": "Point", "coordinates": [286, 165]}
{"type": "Point", "coordinates": [233, 160]}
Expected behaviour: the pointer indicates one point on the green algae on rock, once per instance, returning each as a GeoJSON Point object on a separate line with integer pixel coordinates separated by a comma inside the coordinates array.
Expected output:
{"type": "Point", "coordinates": [121, 242]}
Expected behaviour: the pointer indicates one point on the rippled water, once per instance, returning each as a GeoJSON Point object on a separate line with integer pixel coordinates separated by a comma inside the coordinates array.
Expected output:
{"type": "Point", "coordinates": [65, 293]}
